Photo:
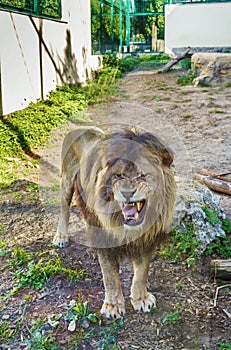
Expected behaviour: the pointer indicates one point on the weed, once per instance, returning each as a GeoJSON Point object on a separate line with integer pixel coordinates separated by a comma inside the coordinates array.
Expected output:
{"type": "Point", "coordinates": [34, 270]}
{"type": "Point", "coordinates": [213, 217]}
{"type": "Point", "coordinates": [185, 63]}
{"type": "Point", "coordinates": [38, 340]}
{"type": "Point", "coordinates": [173, 317]}
{"type": "Point", "coordinates": [19, 257]}
{"type": "Point", "coordinates": [108, 335]}
{"type": "Point", "coordinates": [3, 248]}
{"type": "Point", "coordinates": [36, 274]}
{"type": "Point", "coordinates": [5, 331]}
{"type": "Point", "coordinates": [220, 246]}
{"type": "Point", "coordinates": [79, 312]}
{"type": "Point", "coordinates": [183, 245]}
{"type": "Point", "coordinates": [225, 346]}
{"type": "Point", "coordinates": [216, 111]}
{"type": "Point", "coordinates": [187, 79]}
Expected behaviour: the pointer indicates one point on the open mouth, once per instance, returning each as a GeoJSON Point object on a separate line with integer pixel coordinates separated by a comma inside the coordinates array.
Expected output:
{"type": "Point", "coordinates": [133, 212]}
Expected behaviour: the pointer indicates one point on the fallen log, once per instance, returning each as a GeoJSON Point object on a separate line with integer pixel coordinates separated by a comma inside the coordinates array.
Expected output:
{"type": "Point", "coordinates": [221, 269]}
{"type": "Point", "coordinates": [214, 184]}
{"type": "Point", "coordinates": [175, 60]}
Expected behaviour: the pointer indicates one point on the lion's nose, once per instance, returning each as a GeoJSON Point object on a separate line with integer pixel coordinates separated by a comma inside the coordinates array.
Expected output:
{"type": "Point", "coordinates": [128, 194]}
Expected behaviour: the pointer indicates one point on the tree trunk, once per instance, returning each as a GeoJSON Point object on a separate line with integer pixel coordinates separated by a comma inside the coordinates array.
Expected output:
{"type": "Point", "coordinates": [214, 184]}
{"type": "Point", "coordinates": [221, 269]}
{"type": "Point", "coordinates": [175, 60]}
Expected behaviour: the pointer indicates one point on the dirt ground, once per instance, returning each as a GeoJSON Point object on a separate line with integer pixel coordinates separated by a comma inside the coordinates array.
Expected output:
{"type": "Point", "coordinates": [195, 121]}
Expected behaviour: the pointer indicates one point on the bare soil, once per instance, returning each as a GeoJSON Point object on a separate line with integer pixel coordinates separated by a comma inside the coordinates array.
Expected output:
{"type": "Point", "coordinates": [195, 121]}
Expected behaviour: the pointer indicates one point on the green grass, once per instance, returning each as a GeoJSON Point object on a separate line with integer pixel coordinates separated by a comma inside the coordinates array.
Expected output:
{"type": "Point", "coordinates": [34, 270]}
{"type": "Point", "coordinates": [182, 246]}
{"type": "Point", "coordinates": [188, 78]}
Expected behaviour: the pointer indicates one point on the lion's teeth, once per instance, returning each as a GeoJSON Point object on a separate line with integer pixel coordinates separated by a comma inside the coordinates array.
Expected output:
{"type": "Point", "coordinates": [136, 216]}
{"type": "Point", "coordinates": [139, 206]}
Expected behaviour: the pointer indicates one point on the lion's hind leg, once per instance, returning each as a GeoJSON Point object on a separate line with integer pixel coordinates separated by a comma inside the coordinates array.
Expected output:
{"type": "Point", "coordinates": [141, 299]}
{"type": "Point", "coordinates": [113, 306]}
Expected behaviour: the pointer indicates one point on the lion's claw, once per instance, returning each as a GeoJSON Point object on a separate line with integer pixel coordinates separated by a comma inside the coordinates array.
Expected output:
{"type": "Point", "coordinates": [113, 311]}
{"type": "Point", "coordinates": [144, 304]}
{"type": "Point", "coordinates": [60, 241]}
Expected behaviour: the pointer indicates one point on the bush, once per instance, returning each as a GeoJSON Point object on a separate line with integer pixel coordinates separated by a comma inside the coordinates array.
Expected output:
{"type": "Point", "coordinates": [187, 79]}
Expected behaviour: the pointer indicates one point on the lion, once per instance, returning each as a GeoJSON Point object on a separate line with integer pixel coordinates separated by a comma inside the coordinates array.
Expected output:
{"type": "Point", "coordinates": [125, 189]}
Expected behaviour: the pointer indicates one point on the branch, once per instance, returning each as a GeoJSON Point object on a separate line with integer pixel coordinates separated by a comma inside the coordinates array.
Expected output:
{"type": "Point", "coordinates": [175, 60]}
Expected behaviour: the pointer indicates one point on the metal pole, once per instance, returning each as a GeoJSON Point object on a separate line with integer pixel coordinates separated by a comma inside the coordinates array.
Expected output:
{"type": "Point", "coordinates": [112, 25]}
{"type": "Point", "coordinates": [100, 28]}
{"type": "Point", "coordinates": [128, 29]}
{"type": "Point", "coordinates": [121, 27]}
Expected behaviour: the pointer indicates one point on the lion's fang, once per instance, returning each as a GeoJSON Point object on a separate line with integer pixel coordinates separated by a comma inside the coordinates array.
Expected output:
{"type": "Point", "coordinates": [139, 206]}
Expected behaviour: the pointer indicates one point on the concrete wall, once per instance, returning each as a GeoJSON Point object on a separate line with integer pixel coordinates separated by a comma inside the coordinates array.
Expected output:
{"type": "Point", "coordinates": [36, 55]}
{"type": "Point", "coordinates": [200, 26]}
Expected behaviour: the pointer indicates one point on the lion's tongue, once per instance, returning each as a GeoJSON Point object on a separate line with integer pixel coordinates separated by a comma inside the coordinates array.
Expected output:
{"type": "Point", "coordinates": [129, 210]}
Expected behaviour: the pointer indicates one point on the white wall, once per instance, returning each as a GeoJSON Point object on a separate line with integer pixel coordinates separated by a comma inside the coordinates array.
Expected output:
{"type": "Point", "coordinates": [197, 26]}
{"type": "Point", "coordinates": [30, 66]}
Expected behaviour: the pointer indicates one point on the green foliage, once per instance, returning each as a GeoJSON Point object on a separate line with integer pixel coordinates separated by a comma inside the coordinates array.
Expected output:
{"type": "Point", "coordinates": [78, 312]}
{"type": "Point", "coordinates": [34, 270]}
{"type": "Point", "coordinates": [19, 257]}
{"type": "Point", "coordinates": [173, 317]}
{"type": "Point", "coordinates": [220, 246]}
{"type": "Point", "coordinates": [107, 336]}
{"type": "Point", "coordinates": [36, 274]}
{"type": "Point", "coordinates": [187, 79]}
{"type": "Point", "coordinates": [225, 346]}
{"type": "Point", "coordinates": [183, 245]}
{"type": "Point", "coordinates": [5, 331]}
{"type": "Point", "coordinates": [185, 63]}
{"type": "Point", "coordinates": [212, 215]}
{"type": "Point", "coordinates": [39, 340]}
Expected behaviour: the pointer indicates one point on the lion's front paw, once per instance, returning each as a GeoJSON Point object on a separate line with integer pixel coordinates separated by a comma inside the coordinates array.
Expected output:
{"type": "Point", "coordinates": [60, 240]}
{"type": "Point", "coordinates": [113, 310]}
{"type": "Point", "coordinates": [145, 303]}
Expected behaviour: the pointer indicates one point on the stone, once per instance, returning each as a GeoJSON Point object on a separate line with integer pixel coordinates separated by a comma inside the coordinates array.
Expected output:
{"type": "Point", "coordinates": [213, 68]}
{"type": "Point", "coordinates": [191, 198]}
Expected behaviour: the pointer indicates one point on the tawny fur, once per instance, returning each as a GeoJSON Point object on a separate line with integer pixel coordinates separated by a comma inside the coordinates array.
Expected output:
{"type": "Point", "coordinates": [100, 168]}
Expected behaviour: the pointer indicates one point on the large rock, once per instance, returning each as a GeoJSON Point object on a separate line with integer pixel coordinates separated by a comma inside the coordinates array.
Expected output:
{"type": "Point", "coordinates": [192, 198]}
{"type": "Point", "coordinates": [213, 68]}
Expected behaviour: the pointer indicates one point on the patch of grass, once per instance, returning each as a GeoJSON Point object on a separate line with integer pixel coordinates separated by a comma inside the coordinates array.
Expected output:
{"type": "Point", "coordinates": [187, 79]}
{"type": "Point", "coordinates": [225, 346]}
{"type": "Point", "coordinates": [220, 246]}
{"type": "Point", "coordinates": [85, 323]}
{"type": "Point", "coordinates": [34, 270]}
{"type": "Point", "coordinates": [173, 317]}
{"type": "Point", "coordinates": [182, 246]}
{"type": "Point", "coordinates": [39, 340]}
{"type": "Point", "coordinates": [5, 331]}
{"type": "Point", "coordinates": [36, 274]}
{"type": "Point", "coordinates": [185, 63]}
{"type": "Point", "coordinates": [79, 312]}
{"type": "Point", "coordinates": [213, 217]}
{"type": "Point", "coordinates": [216, 111]}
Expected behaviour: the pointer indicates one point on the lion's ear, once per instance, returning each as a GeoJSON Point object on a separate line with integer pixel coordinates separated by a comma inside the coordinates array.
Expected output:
{"type": "Point", "coordinates": [157, 147]}
{"type": "Point", "coordinates": [167, 156]}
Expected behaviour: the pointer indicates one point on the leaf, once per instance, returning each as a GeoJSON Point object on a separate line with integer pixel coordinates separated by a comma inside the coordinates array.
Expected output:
{"type": "Point", "coordinates": [72, 326]}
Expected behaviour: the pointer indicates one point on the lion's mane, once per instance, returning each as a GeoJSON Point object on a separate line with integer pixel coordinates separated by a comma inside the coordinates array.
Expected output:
{"type": "Point", "coordinates": [125, 160]}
